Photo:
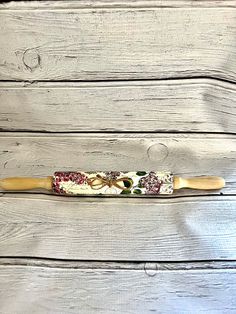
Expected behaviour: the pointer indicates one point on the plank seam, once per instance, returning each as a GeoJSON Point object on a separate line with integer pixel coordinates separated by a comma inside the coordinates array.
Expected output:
{"type": "Point", "coordinates": [103, 131]}
{"type": "Point", "coordinates": [176, 78]}
{"type": "Point", "coordinates": [96, 197]}
{"type": "Point", "coordinates": [209, 81]}
{"type": "Point", "coordinates": [144, 4]}
{"type": "Point", "coordinates": [121, 265]}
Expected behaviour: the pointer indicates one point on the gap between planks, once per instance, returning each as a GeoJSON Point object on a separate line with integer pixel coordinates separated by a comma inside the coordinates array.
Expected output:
{"type": "Point", "coordinates": [126, 265]}
{"type": "Point", "coordinates": [48, 196]}
{"type": "Point", "coordinates": [139, 82]}
{"type": "Point", "coordinates": [108, 132]}
{"type": "Point", "coordinates": [113, 135]}
{"type": "Point", "coordinates": [115, 4]}
{"type": "Point", "coordinates": [112, 82]}
{"type": "Point", "coordinates": [31, 194]}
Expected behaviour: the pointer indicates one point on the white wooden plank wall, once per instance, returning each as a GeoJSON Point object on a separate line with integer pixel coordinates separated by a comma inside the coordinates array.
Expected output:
{"type": "Point", "coordinates": [103, 85]}
{"type": "Point", "coordinates": [117, 43]}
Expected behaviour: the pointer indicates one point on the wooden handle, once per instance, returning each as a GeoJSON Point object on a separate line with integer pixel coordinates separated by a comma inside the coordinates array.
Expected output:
{"type": "Point", "coordinates": [199, 183]}
{"type": "Point", "coordinates": [21, 184]}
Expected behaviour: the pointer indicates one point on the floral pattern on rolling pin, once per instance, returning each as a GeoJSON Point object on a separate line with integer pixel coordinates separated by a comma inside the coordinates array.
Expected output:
{"type": "Point", "coordinates": [112, 182]}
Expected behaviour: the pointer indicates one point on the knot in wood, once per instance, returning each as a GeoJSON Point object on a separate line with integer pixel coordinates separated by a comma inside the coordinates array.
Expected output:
{"type": "Point", "coordinates": [31, 59]}
{"type": "Point", "coordinates": [157, 152]}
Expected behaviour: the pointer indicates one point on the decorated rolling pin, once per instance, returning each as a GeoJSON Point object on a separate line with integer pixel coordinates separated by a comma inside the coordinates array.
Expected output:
{"type": "Point", "coordinates": [112, 182]}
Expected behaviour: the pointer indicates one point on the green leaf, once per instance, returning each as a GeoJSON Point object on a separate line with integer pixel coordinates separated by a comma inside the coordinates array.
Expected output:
{"type": "Point", "coordinates": [141, 173]}
{"type": "Point", "coordinates": [129, 183]}
{"type": "Point", "coordinates": [137, 191]}
{"type": "Point", "coordinates": [125, 192]}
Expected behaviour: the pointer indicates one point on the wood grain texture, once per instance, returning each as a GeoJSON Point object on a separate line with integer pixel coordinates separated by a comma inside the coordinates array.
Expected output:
{"type": "Point", "coordinates": [28, 154]}
{"type": "Point", "coordinates": [196, 105]}
{"type": "Point", "coordinates": [53, 290]}
{"type": "Point", "coordinates": [118, 229]}
{"type": "Point", "coordinates": [124, 255]}
{"type": "Point", "coordinates": [117, 43]}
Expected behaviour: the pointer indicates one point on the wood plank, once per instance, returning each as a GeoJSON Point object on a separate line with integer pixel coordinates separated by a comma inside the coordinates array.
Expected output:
{"type": "Point", "coordinates": [121, 229]}
{"type": "Point", "coordinates": [29, 154]}
{"type": "Point", "coordinates": [117, 43]}
{"type": "Point", "coordinates": [53, 290]}
{"type": "Point", "coordinates": [196, 105]}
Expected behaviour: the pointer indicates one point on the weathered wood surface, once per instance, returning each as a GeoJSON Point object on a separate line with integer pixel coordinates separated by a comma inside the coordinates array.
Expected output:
{"type": "Point", "coordinates": [117, 43]}
{"type": "Point", "coordinates": [67, 255]}
{"type": "Point", "coordinates": [56, 290]}
{"type": "Point", "coordinates": [121, 229]}
{"type": "Point", "coordinates": [29, 154]}
{"type": "Point", "coordinates": [202, 105]}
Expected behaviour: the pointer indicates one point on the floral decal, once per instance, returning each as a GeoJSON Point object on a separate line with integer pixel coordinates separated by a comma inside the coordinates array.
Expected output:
{"type": "Point", "coordinates": [60, 177]}
{"type": "Point", "coordinates": [151, 183]}
{"type": "Point", "coordinates": [112, 174]}
{"type": "Point", "coordinates": [113, 182]}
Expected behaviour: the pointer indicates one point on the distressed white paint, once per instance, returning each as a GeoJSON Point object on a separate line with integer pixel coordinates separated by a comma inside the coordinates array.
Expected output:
{"type": "Point", "coordinates": [118, 229]}
{"type": "Point", "coordinates": [118, 40]}
{"type": "Point", "coordinates": [117, 43]}
{"type": "Point", "coordinates": [68, 291]}
{"type": "Point", "coordinates": [200, 105]}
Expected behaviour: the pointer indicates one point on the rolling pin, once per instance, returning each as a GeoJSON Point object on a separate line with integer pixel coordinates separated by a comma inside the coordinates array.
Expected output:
{"type": "Point", "coordinates": [112, 182]}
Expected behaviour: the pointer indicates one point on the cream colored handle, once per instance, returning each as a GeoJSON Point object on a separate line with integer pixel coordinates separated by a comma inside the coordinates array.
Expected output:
{"type": "Point", "coordinates": [21, 184]}
{"type": "Point", "coordinates": [199, 183]}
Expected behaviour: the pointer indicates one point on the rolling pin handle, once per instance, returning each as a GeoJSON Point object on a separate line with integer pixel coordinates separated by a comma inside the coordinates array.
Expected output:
{"type": "Point", "coordinates": [199, 183]}
{"type": "Point", "coordinates": [22, 184]}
